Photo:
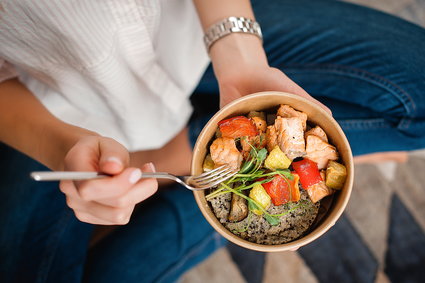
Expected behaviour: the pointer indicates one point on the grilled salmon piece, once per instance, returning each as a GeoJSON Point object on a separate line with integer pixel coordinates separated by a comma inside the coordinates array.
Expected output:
{"type": "Point", "coordinates": [320, 151]}
{"type": "Point", "coordinates": [224, 152]}
{"type": "Point", "coordinates": [290, 136]}
{"type": "Point", "coordinates": [286, 111]}
{"type": "Point", "coordinates": [318, 132]}
{"type": "Point", "coordinates": [271, 138]}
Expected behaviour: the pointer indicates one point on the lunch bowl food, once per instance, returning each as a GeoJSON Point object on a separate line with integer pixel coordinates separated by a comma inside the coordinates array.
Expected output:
{"type": "Point", "coordinates": [260, 215]}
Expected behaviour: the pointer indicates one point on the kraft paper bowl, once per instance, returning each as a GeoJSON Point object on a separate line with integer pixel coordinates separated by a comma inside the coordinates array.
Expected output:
{"type": "Point", "coordinates": [270, 100]}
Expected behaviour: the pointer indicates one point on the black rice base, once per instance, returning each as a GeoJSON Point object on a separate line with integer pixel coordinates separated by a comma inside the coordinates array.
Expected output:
{"type": "Point", "coordinates": [256, 229]}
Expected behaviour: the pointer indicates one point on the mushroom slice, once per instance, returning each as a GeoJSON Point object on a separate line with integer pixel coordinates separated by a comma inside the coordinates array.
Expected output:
{"type": "Point", "coordinates": [223, 151]}
{"type": "Point", "coordinates": [238, 209]}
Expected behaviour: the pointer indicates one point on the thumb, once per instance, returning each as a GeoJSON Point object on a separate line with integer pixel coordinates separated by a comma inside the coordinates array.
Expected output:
{"type": "Point", "coordinates": [148, 167]}
{"type": "Point", "coordinates": [228, 93]}
{"type": "Point", "coordinates": [287, 85]}
{"type": "Point", "coordinates": [113, 156]}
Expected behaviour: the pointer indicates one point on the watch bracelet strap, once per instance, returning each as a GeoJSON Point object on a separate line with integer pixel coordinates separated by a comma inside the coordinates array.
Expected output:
{"type": "Point", "coordinates": [231, 25]}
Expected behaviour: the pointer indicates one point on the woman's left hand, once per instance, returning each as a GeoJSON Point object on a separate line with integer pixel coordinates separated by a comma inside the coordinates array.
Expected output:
{"type": "Point", "coordinates": [260, 79]}
{"type": "Point", "coordinates": [241, 67]}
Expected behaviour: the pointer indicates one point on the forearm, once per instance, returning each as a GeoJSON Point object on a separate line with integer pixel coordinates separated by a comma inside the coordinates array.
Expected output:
{"type": "Point", "coordinates": [26, 125]}
{"type": "Point", "coordinates": [237, 51]}
{"type": "Point", "coordinates": [212, 11]}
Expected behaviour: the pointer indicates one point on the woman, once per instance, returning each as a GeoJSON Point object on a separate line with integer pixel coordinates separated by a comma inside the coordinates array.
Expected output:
{"type": "Point", "coordinates": [104, 86]}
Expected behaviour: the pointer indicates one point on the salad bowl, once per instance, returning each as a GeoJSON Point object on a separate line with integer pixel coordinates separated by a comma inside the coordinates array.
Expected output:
{"type": "Point", "coordinates": [330, 210]}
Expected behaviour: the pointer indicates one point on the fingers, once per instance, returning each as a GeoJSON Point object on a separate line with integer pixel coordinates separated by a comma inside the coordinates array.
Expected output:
{"type": "Point", "coordinates": [92, 212]}
{"type": "Point", "coordinates": [138, 193]}
{"type": "Point", "coordinates": [97, 154]}
{"type": "Point", "coordinates": [266, 79]}
{"type": "Point", "coordinates": [97, 213]}
{"type": "Point", "coordinates": [114, 157]}
{"type": "Point", "coordinates": [109, 201]}
{"type": "Point", "coordinates": [109, 187]}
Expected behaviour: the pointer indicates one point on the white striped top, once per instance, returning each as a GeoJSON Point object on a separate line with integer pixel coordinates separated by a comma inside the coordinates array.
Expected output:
{"type": "Point", "coordinates": [122, 68]}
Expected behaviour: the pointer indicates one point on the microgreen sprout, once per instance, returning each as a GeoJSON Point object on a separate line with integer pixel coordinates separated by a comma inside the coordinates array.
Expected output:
{"type": "Point", "coordinates": [248, 176]}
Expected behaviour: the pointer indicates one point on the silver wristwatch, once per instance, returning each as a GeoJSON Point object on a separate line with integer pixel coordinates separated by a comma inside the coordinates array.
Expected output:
{"type": "Point", "coordinates": [228, 26]}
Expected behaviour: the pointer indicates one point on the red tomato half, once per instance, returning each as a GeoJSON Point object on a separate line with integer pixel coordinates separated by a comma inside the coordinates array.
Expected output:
{"type": "Point", "coordinates": [308, 172]}
{"type": "Point", "coordinates": [237, 127]}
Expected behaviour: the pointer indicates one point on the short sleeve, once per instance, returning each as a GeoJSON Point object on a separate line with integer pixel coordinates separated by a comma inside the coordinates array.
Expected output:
{"type": "Point", "coordinates": [7, 71]}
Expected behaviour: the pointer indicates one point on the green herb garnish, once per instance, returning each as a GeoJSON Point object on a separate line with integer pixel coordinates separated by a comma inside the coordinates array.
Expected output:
{"type": "Point", "coordinates": [272, 219]}
{"type": "Point", "coordinates": [251, 172]}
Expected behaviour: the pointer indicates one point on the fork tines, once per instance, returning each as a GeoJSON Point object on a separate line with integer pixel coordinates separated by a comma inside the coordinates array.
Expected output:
{"type": "Point", "coordinates": [213, 177]}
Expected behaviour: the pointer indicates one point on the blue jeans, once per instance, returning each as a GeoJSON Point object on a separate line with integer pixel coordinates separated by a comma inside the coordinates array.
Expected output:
{"type": "Point", "coordinates": [42, 241]}
{"type": "Point", "coordinates": [368, 67]}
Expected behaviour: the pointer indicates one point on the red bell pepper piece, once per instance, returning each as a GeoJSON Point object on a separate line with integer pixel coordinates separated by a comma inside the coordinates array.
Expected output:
{"type": "Point", "coordinates": [282, 190]}
{"type": "Point", "coordinates": [295, 189]}
{"type": "Point", "coordinates": [308, 171]}
{"type": "Point", "coordinates": [237, 127]}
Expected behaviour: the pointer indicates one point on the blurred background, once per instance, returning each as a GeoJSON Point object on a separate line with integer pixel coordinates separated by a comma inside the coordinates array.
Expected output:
{"type": "Point", "coordinates": [380, 237]}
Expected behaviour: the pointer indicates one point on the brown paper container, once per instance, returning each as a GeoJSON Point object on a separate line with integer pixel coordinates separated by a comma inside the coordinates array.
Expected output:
{"type": "Point", "coordinates": [316, 115]}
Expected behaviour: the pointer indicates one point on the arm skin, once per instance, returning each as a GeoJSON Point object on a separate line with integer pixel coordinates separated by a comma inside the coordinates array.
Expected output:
{"type": "Point", "coordinates": [23, 118]}
{"type": "Point", "coordinates": [239, 57]}
{"type": "Point", "coordinates": [29, 127]}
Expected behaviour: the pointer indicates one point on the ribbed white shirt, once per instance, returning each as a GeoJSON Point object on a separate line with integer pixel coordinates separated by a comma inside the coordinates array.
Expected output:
{"type": "Point", "coordinates": [122, 68]}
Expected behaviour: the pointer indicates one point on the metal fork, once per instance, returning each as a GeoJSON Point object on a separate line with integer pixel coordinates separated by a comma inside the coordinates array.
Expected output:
{"type": "Point", "coordinates": [195, 183]}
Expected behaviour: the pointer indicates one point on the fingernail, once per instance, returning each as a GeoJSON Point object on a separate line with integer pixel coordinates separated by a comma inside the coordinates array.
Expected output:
{"type": "Point", "coordinates": [114, 159]}
{"type": "Point", "coordinates": [135, 176]}
{"type": "Point", "coordinates": [152, 167]}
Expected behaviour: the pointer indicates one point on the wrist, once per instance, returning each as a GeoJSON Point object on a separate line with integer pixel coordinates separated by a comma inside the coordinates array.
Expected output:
{"type": "Point", "coordinates": [237, 53]}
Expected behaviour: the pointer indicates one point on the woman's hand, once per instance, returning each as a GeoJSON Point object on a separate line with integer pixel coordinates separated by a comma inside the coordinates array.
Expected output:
{"type": "Point", "coordinates": [260, 79]}
{"type": "Point", "coordinates": [241, 67]}
{"type": "Point", "coordinates": [108, 201]}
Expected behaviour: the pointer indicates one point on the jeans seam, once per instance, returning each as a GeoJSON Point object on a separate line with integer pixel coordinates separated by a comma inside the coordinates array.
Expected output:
{"type": "Point", "coordinates": [352, 124]}
{"type": "Point", "coordinates": [192, 252]}
{"type": "Point", "coordinates": [394, 89]}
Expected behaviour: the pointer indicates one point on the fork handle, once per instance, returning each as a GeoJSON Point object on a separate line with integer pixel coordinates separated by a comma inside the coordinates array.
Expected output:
{"type": "Point", "coordinates": [65, 175]}
{"type": "Point", "coordinates": [75, 175]}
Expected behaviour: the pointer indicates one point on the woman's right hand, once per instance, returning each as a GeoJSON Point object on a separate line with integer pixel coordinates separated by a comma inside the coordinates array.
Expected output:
{"type": "Point", "coordinates": [108, 201]}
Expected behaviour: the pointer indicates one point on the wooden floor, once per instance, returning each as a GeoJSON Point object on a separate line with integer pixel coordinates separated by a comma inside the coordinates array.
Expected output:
{"type": "Point", "coordinates": [391, 184]}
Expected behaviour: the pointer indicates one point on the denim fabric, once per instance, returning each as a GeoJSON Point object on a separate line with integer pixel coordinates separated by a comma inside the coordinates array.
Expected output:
{"type": "Point", "coordinates": [166, 236]}
{"type": "Point", "coordinates": [42, 241]}
{"type": "Point", "coordinates": [368, 67]}
{"type": "Point", "coordinates": [40, 238]}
